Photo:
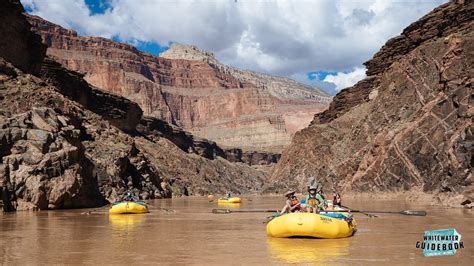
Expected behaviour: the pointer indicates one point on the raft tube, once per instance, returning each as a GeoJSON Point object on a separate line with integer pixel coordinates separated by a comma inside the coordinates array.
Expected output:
{"type": "Point", "coordinates": [310, 225]}
{"type": "Point", "coordinates": [229, 200]}
{"type": "Point", "coordinates": [128, 207]}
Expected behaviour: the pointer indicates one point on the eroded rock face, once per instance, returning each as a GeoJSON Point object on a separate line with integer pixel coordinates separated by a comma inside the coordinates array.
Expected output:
{"type": "Point", "coordinates": [154, 128]}
{"type": "Point", "coordinates": [251, 157]}
{"type": "Point", "coordinates": [121, 112]}
{"type": "Point", "coordinates": [187, 87]}
{"type": "Point", "coordinates": [407, 126]}
{"type": "Point", "coordinates": [43, 158]}
{"type": "Point", "coordinates": [441, 22]}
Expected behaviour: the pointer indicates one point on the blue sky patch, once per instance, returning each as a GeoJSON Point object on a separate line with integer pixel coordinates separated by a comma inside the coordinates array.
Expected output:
{"type": "Point", "coordinates": [147, 47]}
{"type": "Point", "coordinates": [98, 6]}
{"type": "Point", "coordinates": [116, 38]}
{"type": "Point", "coordinates": [151, 47]}
{"type": "Point", "coordinates": [28, 8]}
{"type": "Point", "coordinates": [319, 75]}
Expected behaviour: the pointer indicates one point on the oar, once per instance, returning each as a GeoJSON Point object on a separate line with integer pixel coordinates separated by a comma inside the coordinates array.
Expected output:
{"type": "Point", "coordinates": [226, 211]}
{"type": "Point", "coordinates": [368, 214]}
{"type": "Point", "coordinates": [163, 209]}
{"type": "Point", "coordinates": [405, 212]}
{"type": "Point", "coordinates": [102, 209]}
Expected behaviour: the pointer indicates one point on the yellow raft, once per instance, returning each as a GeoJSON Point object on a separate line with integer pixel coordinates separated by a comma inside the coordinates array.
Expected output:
{"type": "Point", "coordinates": [128, 207]}
{"type": "Point", "coordinates": [229, 200]}
{"type": "Point", "coordinates": [310, 225]}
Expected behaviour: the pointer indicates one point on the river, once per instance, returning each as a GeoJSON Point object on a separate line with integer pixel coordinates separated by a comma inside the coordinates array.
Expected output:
{"type": "Point", "coordinates": [184, 231]}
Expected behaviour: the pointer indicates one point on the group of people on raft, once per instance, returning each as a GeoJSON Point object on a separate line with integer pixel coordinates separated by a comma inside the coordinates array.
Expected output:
{"type": "Point", "coordinates": [314, 202]}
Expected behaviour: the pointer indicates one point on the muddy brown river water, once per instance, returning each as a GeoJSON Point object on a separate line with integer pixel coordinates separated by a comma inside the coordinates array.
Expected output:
{"type": "Point", "coordinates": [191, 234]}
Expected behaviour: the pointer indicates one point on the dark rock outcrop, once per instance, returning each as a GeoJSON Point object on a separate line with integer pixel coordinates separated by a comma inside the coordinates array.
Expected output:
{"type": "Point", "coordinates": [44, 160]}
{"type": "Point", "coordinates": [445, 20]}
{"type": "Point", "coordinates": [18, 44]}
{"type": "Point", "coordinates": [152, 128]}
{"type": "Point", "coordinates": [155, 128]}
{"type": "Point", "coordinates": [121, 112]}
{"type": "Point", "coordinates": [251, 157]}
{"type": "Point", "coordinates": [406, 127]}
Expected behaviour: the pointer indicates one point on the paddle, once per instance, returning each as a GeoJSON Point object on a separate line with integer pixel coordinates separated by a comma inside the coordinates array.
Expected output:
{"type": "Point", "coordinates": [226, 211]}
{"type": "Point", "coordinates": [368, 214]}
{"type": "Point", "coordinates": [167, 210]}
{"type": "Point", "coordinates": [405, 212]}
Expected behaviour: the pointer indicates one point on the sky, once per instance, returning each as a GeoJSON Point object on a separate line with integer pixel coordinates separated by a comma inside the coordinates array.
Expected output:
{"type": "Point", "coordinates": [321, 43]}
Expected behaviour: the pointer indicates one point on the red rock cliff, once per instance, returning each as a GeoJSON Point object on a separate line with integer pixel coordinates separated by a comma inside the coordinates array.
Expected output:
{"type": "Point", "coordinates": [232, 107]}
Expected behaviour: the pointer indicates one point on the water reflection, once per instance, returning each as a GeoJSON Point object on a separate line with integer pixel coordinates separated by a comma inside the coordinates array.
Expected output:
{"type": "Point", "coordinates": [126, 222]}
{"type": "Point", "coordinates": [300, 250]}
{"type": "Point", "coordinates": [229, 205]}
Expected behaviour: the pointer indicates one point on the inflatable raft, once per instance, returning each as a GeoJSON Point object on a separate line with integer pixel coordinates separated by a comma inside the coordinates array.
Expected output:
{"type": "Point", "coordinates": [128, 207]}
{"type": "Point", "coordinates": [310, 225]}
{"type": "Point", "coordinates": [229, 200]}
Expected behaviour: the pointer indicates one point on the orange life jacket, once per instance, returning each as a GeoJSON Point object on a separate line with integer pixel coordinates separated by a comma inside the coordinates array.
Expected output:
{"type": "Point", "coordinates": [313, 202]}
{"type": "Point", "coordinates": [294, 201]}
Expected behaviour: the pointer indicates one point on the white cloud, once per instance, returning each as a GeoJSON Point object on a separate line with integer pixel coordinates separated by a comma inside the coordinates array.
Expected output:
{"type": "Point", "coordinates": [343, 80]}
{"type": "Point", "coordinates": [284, 38]}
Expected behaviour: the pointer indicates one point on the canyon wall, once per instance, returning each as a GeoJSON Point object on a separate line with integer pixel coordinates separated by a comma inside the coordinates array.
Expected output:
{"type": "Point", "coordinates": [187, 87]}
{"type": "Point", "coordinates": [407, 126]}
{"type": "Point", "coordinates": [59, 150]}
{"type": "Point", "coordinates": [67, 144]}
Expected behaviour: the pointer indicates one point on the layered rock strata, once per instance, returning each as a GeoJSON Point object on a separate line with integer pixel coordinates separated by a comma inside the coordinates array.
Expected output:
{"type": "Point", "coordinates": [187, 87]}
{"type": "Point", "coordinates": [155, 128]}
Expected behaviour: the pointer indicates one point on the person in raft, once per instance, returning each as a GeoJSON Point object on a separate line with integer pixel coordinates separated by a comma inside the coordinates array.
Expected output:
{"type": "Point", "coordinates": [329, 205]}
{"type": "Point", "coordinates": [315, 201]}
{"type": "Point", "coordinates": [130, 196]}
{"type": "Point", "coordinates": [292, 203]}
{"type": "Point", "coordinates": [227, 196]}
{"type": "Point", "coordinates": [337, 199]}
{"type": "Point", "coordinates": [312, 182]}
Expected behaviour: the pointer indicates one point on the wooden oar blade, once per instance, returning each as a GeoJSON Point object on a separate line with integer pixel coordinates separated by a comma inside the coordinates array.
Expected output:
{"type": "Point", "coordinates": [413, 213]}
